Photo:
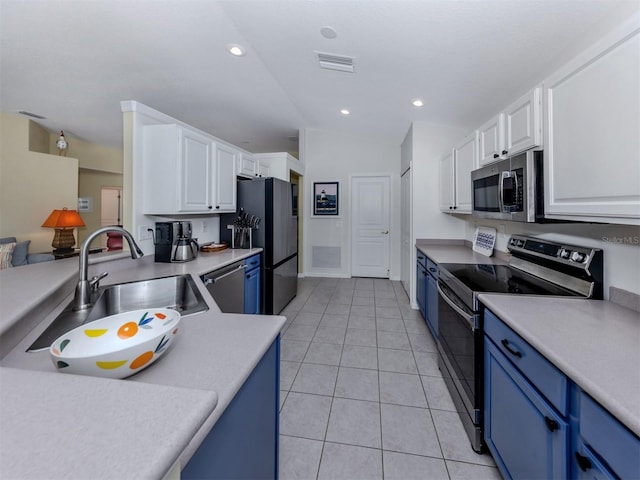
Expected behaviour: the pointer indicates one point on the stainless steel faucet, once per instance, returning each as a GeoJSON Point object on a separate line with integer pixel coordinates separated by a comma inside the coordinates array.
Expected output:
{"type": "Point", "coordinates": [82, 299]}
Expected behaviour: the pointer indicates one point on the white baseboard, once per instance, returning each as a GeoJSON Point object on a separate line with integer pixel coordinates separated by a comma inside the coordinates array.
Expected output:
{"type": "Point", "coordinates": [327, 275]}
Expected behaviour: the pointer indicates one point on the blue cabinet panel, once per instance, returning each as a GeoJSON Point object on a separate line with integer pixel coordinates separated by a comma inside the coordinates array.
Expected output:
{"type": "Point", "coordinates": [550, 381]}
{"type": "Point", "coordinates": [526, 437]}
{"type": "Point", "coordinates": [244, 441]}
{"type": "Point", "coordinates": [611, 441]}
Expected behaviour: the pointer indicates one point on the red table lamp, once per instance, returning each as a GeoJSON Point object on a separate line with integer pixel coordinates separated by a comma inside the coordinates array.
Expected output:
{"type": "Point", "coordinates": [64, 221]}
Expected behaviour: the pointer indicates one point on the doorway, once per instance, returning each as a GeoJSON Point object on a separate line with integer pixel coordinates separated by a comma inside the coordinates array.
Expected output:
{"type": "Point", "coordinates": [370, 220]}
{"type": "Point", "coordinates": [110, 209]}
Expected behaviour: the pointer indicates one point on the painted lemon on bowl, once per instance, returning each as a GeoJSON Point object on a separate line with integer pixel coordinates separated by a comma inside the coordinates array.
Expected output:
{"type": "Point", "coordinates": [116, 346]}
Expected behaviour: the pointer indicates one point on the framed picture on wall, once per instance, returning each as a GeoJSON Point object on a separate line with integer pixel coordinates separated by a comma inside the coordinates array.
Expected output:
{"type": "Point", "coordinates": [326, 201]}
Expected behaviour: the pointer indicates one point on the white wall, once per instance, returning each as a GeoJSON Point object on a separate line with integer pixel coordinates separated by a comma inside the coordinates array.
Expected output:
{"type": "Point", "coordinates": [336, 156]}
{"type": "Point", "coordinates": [431, 143]}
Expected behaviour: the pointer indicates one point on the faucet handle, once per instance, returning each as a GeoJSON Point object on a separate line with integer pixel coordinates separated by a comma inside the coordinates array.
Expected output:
{"type": "Point", "coordinates": [95, 281]}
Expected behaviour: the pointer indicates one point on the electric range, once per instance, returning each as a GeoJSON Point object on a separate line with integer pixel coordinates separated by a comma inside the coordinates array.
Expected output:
{"type": "Point", "coordinates": [536, 267]}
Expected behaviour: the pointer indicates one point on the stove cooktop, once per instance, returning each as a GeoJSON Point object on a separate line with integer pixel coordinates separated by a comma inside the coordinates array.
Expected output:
{"type": "Point", "coordinates": [487, 278]}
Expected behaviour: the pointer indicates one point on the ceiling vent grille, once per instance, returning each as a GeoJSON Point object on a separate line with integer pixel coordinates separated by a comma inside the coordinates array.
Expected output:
{"type": "Point", "coordinates": [341, 63]}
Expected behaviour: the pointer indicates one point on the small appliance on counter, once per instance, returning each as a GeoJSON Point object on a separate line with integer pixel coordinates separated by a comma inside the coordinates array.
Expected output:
{"type": "Point", "coordinates": [174, 242]}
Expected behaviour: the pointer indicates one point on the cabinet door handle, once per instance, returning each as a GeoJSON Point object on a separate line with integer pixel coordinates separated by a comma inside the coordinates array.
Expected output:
{"type": "Point", "coordinates": [495, 155]}
{"type": "Point", "coordinates": [504, 152]}
{"type": "Point", "coordinates": [505, 343]}
{"type": "Point", "coordinates": [217, 207]}
{"type": "Point", "coordinates": [431, 269]}
{"type": "Point", "coordinates": [583, 462]}
{"type": "Point", "coordinates": [552, 425]}
{"type": "Point", "coordinates": [210, 207]}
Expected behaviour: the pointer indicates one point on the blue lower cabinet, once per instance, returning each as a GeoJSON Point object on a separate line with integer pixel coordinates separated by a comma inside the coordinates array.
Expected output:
{"type": "Point", "coordinates": [524, 434]}
{"type": "Point", "coordinates": [253, 286]}
{"type": "Point", "coordinates": [604, 447]}
{"type": "Point", "coordinates": [243, 444]}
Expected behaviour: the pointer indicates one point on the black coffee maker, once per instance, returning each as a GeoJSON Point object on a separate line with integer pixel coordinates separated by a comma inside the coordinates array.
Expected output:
{"type": "Point", "coordinates": [174, 242]}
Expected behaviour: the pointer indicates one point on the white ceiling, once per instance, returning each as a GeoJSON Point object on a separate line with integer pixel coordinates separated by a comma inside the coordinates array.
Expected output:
{"type": "Point", "coordinates": [73, 61]}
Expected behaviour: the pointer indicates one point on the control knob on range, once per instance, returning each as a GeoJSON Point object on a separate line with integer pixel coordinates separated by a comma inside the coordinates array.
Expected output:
{"type": "Point", "coordinates": [578, 257]}
{"type": "Point", "coordinates": [565, 254]}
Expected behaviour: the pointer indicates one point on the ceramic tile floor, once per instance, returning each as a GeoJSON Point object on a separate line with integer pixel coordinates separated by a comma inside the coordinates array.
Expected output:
{"type": "Point", "coordinates": [361, 393]}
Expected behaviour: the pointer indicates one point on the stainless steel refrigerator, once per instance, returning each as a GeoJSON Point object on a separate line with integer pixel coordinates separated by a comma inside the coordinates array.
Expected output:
{"type": "Point", "coordinates": [272, 200]}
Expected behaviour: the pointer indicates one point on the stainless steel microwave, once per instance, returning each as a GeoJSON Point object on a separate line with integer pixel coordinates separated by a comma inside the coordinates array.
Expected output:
{"type": "Point", "coordinates": [510, 189]}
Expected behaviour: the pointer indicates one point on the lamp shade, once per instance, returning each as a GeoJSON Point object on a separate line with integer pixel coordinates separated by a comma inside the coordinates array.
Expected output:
{"type": "Point", "coordinates": [63, 219]}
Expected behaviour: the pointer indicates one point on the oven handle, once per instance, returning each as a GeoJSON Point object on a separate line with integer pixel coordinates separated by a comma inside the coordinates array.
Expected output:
{"type": "Point", "coordinates": [457, 309]}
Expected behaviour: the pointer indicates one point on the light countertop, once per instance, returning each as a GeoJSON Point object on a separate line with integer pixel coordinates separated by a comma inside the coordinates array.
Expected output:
{"type": "Point", "coordinates": [456, 251]}
{"type": "Point", "coordinates": [210, 359]}
{"type": "Point", "coordinates": [594, 342]}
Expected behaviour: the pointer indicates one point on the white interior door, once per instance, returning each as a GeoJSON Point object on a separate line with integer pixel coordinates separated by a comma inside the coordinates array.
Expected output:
{"type": "Point", "coordinates": [111, 206]}
{"type": "Point", "coordinates": [370, 220]}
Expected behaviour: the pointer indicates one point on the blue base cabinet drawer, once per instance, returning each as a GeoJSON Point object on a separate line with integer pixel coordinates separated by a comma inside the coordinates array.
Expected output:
{"type": "Point", "coordinates": [551, 382]}
{"type": "Point", "coordinates": [524, 434]}
{"type": "Point", "coordinates": [602, 437]}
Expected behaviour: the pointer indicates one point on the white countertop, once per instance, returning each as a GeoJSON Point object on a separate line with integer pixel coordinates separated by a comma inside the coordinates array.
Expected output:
{"type": "Point", "coordinates": [455, 252]}
{"type": "Point", "coordinates": [594, 342]}
{"type": "Point", "coordinates": [210, 359]}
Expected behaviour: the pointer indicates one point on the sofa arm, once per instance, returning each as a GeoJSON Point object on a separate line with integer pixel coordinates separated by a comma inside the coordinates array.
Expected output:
{"type": "Point", "coordinates": [39, 258]}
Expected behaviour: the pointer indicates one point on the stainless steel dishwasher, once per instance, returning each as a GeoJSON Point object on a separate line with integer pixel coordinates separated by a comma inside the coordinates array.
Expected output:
{"type": "Point", "coordinates": [226, 286]}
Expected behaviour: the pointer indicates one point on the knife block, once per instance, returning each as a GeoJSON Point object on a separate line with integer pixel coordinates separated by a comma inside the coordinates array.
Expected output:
{"type": "Point", "coordinates": [240, 237]}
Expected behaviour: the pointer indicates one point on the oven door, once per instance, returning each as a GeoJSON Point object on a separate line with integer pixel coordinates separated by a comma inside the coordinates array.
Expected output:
{"type": "Point", "coordinates": [460, 360]}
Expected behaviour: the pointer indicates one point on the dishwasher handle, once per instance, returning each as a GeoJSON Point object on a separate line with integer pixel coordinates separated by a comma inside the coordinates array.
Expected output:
{"type": "Point", "coordinates": [210, 280]}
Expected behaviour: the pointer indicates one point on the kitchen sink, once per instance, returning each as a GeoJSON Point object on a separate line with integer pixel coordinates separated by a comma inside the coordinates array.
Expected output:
{"type": "Point", "coordinates": [178, 292]}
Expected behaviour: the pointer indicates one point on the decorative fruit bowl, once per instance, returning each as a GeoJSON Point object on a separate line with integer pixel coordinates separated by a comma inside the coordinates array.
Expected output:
{"type": "Point", "coordinates": [116, 346]}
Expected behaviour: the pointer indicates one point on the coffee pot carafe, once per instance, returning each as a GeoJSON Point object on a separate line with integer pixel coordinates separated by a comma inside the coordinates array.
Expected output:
{"type": "Point", "coordinates": [186, 249]}
{"type": "Point", "coordinates": [174, 243]}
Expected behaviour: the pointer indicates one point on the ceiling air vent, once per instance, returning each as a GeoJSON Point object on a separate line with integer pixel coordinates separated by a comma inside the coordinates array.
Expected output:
{"type": "Point", "coordinates": [340, 63]}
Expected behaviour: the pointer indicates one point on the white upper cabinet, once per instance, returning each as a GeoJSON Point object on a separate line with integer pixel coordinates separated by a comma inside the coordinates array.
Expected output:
{"type": "Point", "coordinates": [514, 130]}
{"type": "Point", "coordinates": [592, 125]}
{"type": "Point", "coordinates": [491, 140]}
{"type": "Point", "coordinates": [455, 176]}
{"type": "Point", "coordinates": [224, 181]}
{"type": "Point", "coordinates": [177, 166]}
{"type": "Point", "coordinates": [247, 165]}
{"type": "Point", "coordinates": [523, 124]}
{"type": "Point", "coordinates": [264, 168]}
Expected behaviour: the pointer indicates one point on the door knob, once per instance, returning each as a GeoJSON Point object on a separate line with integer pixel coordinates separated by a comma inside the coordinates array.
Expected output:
{"type": "Point", "coordinates": [385, 232]}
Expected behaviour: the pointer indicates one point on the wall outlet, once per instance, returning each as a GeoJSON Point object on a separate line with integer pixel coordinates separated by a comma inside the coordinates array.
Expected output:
{"type": "Point", "coordinates": [144, 233]}
{"type": "Point", "coordinates": [503, 230]}
{"type": "Point", "coordinates": [203, 226]}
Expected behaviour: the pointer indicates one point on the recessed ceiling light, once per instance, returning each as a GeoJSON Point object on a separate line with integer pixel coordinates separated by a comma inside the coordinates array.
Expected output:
{"type": "Point", "coordinates": [236, 50]}
{"type": "Point", "coordinates": [344, 111]}
{"type": "Point", "coordinates": [417, 103]}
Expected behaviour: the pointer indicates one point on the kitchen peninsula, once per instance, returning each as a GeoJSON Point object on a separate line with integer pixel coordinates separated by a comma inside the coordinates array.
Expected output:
{"type": "Point", "coordinates": [147, 426]}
